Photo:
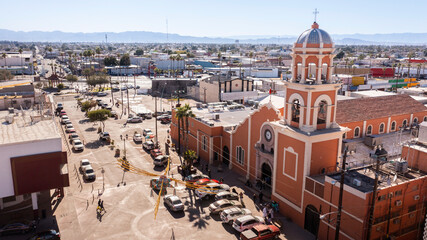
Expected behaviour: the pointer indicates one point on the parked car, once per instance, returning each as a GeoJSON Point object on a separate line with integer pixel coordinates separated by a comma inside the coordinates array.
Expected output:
{"type": "Point", "coordinates": [49, 234]}
{"type": "Point", "coordinates": [115, 89]}
{"type": "Point", "coordinates": [146, 132]}
{"type": "Point", "coordinates": [164, 116]}
{"type": "Point", "coordinates": [204, 181]}
{"type": "Point", "coordinates": [89, 173]}
{"type": "Point", "coordinates": [227, 195]}
{"type": "Point", "coordinates": [165, 121]}
{"type": "Point", "coordinates": [173, 202]}
{"type": "Point", "coordinates": [78, 145]}
{"type": "Point", "coordinates": [113, 114]}
{"type": "Point", "coordinates": [73, 136]}
{"type": "Point", "coordinates": [161, 160]}
{"type": "Point", "coordinates": [211, 189]}
{"type": "Point", "coordinates": [84, 163]}
{"type": "Point", "coordinates": [137, 137]}
{"type": "Point", "coordinates": [195, 177]}
{"type": "Point", "coordinates": [64, 118]}
{"type": "Point", "coordinates": [229, 215]}
{"type": "Point", "coordinates": [62, 113]}
{"type": "Point", "coordinates": [59, 107]}
{"type": "Point", "coordinates": [67, 122]}
{"type": "Point", "coordinates": [135, 119]}
{"type": "Point", "coordinates": [148, 145]}
{"type": "Point", "coordinates": [220, 205]}
{"type": "Point", "coordinates": [104, 136]}
{"type": "Point", "coordinates": [261, 232]}
{"type": "Point", "coordinates": [101, 94]}
{"type": "Point", "coordinates": [155, 152]}
{"type": "Point", "coordinates": [69, 128]}
{"type": "Point", "coordinates": [15, 228]}
{"type": "Point", "coordinates": [247, 222]}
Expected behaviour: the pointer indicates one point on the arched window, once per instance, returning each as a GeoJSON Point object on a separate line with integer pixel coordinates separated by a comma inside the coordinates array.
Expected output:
{"type": "Point", "coordinates": [357, 132]}
{"type": "Point", "coordinates": [344, 136]}
{"type": "Point", "coordinates": [369, 131]}
{"type": "Point", "coordinates": [425, 119]}
{"type": "Point", "coordinates": [393, 126]}
{"type": "Point", "coordinates": [296, 110]}
{"type": "Point", "coordinates": [405, 123]}
{"type": "Point", "coordinates": [416, 120]}
{"type": "Point", "coordinates": [382, 127]}
{"type": "Point", "coordinates": [323, 110]}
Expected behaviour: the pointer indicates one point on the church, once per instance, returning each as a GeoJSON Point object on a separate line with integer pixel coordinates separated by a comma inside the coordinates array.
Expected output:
{"type": "Point", "coordinates": [296, 148]}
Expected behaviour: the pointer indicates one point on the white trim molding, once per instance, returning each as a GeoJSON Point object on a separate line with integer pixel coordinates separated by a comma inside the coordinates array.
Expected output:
{"type": "Point", "coordinates": [292, 151]}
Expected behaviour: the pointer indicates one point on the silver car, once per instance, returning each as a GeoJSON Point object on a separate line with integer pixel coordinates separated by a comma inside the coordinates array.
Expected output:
{"type": "Point", "coordinates": [89, 173]}
{"type": "Point", "coordinates": [221, 205]}
{"type": "Point", "coordinates": [229, 215]}
{"type": "Point", "coordinates": [78, 145]}
{"type": "Point", "coordinates": [173, 202]}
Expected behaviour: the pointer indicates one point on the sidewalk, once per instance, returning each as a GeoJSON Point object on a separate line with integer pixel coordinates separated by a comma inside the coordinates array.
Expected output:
{"type": "Point", "coordinates": [289, 229]}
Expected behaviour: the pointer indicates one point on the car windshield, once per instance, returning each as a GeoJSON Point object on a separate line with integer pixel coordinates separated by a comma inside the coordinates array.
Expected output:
{"type": "Point", "coordinates": [176, 202]}
{"type": "Point", "coordinates": [89, 171]}
{"type": "Point", "coordinates": [85, 163]}
{"type": "Point", "coordinates": [238, 222]}
{"type": "Point", "coordinates": [77, 142]}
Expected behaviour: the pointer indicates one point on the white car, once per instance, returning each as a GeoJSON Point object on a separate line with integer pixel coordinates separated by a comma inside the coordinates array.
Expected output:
{"type": "Point", "coordinates": [84, 163]}
{"type": "Point", "coordinates": [64, 118]}
{"type": "Point", "coordinates": [247, 222]}
{"type": "Point", "coordinates": [221, 205]}
{"type": "Point", "coordinates": [78, 145]}
{"type": "Point", "coordinates": [69, 128]}
{"type": "Point", "coordinates": [137, 138]}
{"type": "Point", "coordinates": [89, 173]}
{"type": "Point", "coordinates": [211, 189]}
{"type": "Point", "coordinates": [146, 132]}
{"type": "Point", "coordinates": [173, 202]}
{"type": "Point", "coordinates": [226, 195]}
{"type": "Point", "coordinates": [229, 215]}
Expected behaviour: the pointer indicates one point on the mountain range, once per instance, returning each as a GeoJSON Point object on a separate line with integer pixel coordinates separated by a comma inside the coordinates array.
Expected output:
{"type": "Point", "coordinates": [157, 37]}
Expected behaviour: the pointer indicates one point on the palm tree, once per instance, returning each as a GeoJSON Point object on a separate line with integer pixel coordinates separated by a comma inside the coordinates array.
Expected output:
{"type": "Point", "coordinates": [3, 55]}
{"type": "Point", "coordinates": [180, 114]}
{"type": "Point", "coordinates": [173, 61]}
{"type": "Point", "coordinates": [188, 114]}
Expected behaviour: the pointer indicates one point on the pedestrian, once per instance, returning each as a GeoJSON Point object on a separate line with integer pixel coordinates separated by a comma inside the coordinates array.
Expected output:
{"type": "Point", "coordinates": [241, 196]}
{"type": "Point", "coordinates": [234, 191]}
{"type": "Point", "coordinates": [121, 137]}
{"type": "Point", "coordinates": [260, 196]}
{"type": "Point", "coordinates": [271, 213]}
{"type": "Point", "coordinates": [209, 173]}
{"type": "Point", "coordinates": [221, 180]}
{"type": "Point", "coordinates": [264, 213]}
{"type": "Point", "coordinates": [254, 197]}
{"type": "Point", "coordinates": [99, 202]}
{"type": "Point", "coordinates": [102, 205]}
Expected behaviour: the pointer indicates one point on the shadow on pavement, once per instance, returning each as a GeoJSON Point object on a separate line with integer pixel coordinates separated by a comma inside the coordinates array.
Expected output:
{"type": "Point", "coordinates": [91, 129]}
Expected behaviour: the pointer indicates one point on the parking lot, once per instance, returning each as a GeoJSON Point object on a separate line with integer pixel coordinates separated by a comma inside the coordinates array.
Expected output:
{"type": "Point", "coordinates": [128, 199]}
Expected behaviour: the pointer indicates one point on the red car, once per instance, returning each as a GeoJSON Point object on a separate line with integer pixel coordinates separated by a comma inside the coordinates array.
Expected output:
{"type": "Point", "coordinates": [63, 112]}
{"type": "Point", "coordinates": [261, 232]}
{"type": "Point", "coordinates": [204, 181]}
{"type": "Point", "coordinates": [156, 152]}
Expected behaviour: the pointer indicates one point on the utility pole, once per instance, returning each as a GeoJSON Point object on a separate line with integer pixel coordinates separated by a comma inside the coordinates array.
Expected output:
{"type": "Point", "coordinates": [155, 116]}
{"type": "Point", "coordinates": [127, 92]}
{"type": "Point", "coordinates": [374, 193]}
{"type": "Point", "coordinates": [121, 93]}
{"type": "Point", "coordinates": [337, 229]}
{"type": "Point", "coordinates": [112, 97]}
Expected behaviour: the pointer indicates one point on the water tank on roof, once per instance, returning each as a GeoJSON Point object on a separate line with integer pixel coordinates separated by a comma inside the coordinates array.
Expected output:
{"type": "Point", "coordinates": [401, 166]}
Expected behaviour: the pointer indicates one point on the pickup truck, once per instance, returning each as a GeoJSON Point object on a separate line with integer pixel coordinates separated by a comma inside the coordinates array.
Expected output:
{"type": "Point", "coordinates": [104, 136]}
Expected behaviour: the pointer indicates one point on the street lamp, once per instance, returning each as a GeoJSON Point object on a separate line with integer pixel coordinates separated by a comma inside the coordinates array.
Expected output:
{"type": "Point", "coordinates": [323, 216]}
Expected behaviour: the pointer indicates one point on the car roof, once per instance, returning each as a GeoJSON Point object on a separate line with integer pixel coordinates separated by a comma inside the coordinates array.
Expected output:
{"type": "Point", "coordinates": [262, 227]}
{"type": "Point", "coordinates": [173, 197]}
{"type": "Point", "coordinates": [76, 140]}
{"type": "Point", "coordinates": [232, 210]}
{"type": "Point", "coordinates": [84, 160]}
{"type": "Point", "coordinates": [245, 218]}
{"type": "Point", "coordinates": [226, 193]}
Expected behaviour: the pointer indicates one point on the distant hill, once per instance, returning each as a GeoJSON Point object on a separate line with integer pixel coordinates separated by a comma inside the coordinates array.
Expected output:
{"type": "Point", "coordinates": [156, 37]}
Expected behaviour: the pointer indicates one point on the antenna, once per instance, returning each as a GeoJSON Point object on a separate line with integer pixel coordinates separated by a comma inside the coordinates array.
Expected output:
{"type": "Point", "coordinates": [315, 14]}
{"type": "Point", "coordinates": [106, 39]}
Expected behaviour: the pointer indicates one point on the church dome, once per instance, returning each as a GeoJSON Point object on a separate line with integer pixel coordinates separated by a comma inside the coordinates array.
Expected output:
{"type": "Point", "coordinates": [314, 35]}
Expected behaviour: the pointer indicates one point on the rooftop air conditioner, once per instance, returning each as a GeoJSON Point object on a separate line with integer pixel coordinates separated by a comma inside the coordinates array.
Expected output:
{"type": "Point", "coordinates": [357, 182]}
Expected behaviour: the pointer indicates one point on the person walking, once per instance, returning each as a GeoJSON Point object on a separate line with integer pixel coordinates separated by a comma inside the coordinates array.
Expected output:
{"type": "Point", "coordinates": [209, 173]}
{"type": "Point", "coordinates": [254, 197]}
{"type": "Point", "coordinates": [102, 206]}
{"type": "Point", "coordinates": [241, 197]}
{"type": "Point", "coordinates": [264, 213]}
{"type": "Point", "coordinates": [261, 195]}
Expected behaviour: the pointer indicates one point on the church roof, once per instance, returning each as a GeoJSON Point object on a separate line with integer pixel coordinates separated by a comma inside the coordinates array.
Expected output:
{"type": "Point", "coordinates": [314, 35]}
{"type": "Point", "coordinates": [362, 109]}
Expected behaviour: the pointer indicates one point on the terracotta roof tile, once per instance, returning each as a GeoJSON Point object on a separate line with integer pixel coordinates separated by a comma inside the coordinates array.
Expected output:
{"type": "Point", "coordinates": [361, 109]}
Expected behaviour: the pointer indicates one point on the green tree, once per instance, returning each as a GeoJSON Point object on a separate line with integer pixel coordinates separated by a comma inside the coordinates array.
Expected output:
{"type": "Point", "coordinates": [139, 52]}
{"type": "Point", "coordinates": [125, 60]}
{"type": "Point", "coordinates": [99, 115]}
{"type": "Point", "coordinates": [60, 87]}
{"type": "Point", "coordinates": [88, 105]}
{"type": "Point", "coordinates": [72, 78]}
{"type": "Point", "coordinates": [110, 61]}
{"type": "Point", "coordinates": [5, 75]}
{"type": "Point", "coordinates": [87, 72]}
{"type": "Point", "coordinates": [3, 55]}
{"type": "Point", "coordinates": [340, 55]}
{"type": "Point", "coordinates": [189, 157]}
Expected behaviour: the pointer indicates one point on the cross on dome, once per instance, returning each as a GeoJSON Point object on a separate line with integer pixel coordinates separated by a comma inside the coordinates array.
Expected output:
{"type": "Point", "coordinates": [315, 14]}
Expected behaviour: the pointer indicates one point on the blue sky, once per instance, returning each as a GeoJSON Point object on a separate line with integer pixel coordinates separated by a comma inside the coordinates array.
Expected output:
{"type": "Point", "coordinates": [216, 17]}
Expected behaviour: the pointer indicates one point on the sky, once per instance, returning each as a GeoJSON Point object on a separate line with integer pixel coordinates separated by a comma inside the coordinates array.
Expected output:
{"type": "Point", "coordinates": [216, 18]}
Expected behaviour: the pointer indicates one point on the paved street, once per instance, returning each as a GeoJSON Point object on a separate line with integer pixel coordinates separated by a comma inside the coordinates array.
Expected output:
{"type": "Point", "coordinates": [128, 199]}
